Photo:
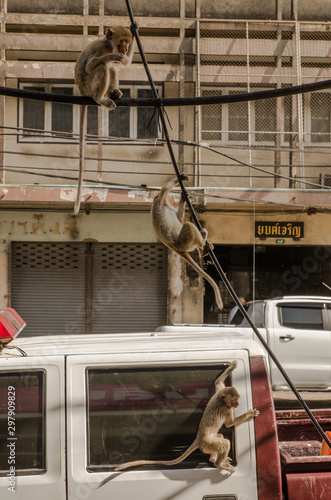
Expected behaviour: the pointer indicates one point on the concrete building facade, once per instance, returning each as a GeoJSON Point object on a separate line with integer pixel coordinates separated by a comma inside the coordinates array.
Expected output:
{"type": "Point", "coordinates": [259, 172]}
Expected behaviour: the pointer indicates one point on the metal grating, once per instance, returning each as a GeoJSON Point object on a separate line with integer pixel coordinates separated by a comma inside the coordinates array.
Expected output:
{"type": "Point", "coordinates": [78, 288]}
{"type": "Point", "coordinates": [49, 287]}
{"type": "Point", "coordinates": [129, 287]}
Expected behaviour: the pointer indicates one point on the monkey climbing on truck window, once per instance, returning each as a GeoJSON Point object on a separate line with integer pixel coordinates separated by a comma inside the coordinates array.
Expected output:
{"type": "Point", "coordinates": [219, 411]}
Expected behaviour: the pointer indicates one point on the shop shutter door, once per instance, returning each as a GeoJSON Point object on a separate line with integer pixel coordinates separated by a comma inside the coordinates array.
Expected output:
{"type": "Point", "coordinates": [129, 287]}
{"type": "Point", "coordinates": [49, 287]}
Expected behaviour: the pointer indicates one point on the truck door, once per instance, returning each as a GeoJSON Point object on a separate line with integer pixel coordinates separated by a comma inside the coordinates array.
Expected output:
{"type": "Point", "coordinates": [32, 431]}
{"type": "Point", "coordinates": [301, 340]}
{"type": "Point", "coordinates": [124, 407]}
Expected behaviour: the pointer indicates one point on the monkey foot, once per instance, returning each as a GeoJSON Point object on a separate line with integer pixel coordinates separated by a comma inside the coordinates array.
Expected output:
{"type": "Point", "coordinates": [108, 103]}
{"type": "Point", "coordinates": [229, 469]}
{"type": "Point", "coordinates": [116, 94]}
{"type": "Point", "coordinates": [227, 466]}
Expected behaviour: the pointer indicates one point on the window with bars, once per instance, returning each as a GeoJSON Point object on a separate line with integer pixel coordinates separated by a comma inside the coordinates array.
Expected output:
{"type": "Point", "coordinates": [61, 121]}
{"type": "Point", "coordinates": [317, 118]}
{"type": "Point", "coordinates": [235, 122]}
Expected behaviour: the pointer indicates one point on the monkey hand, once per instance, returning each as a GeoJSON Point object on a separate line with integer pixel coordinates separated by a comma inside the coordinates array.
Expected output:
{"type": "Point", "coordinates": [118, 57]}
{"type": "Point", "coordinates": [132, 28]}
{"type": "Point", "coordinates": [184, 177]}
{"type": "Point", "coordinates": [253, 413]}
{"type": "Point", "coordinates": [233, 365]}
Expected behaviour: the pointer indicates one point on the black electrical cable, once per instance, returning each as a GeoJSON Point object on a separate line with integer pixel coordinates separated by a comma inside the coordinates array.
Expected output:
{"type": "Point", "coordinates": [211, 252]}
{"type": "Point", "coordinates": [157, 102]}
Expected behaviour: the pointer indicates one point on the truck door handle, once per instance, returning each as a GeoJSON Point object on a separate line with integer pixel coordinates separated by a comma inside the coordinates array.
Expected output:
{"type": "Point", "coordinates": [286, 338]}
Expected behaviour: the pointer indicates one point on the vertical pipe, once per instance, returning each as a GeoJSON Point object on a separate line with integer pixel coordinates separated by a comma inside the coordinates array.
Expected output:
{"type": "Point", "coordinates": [249, 107]}
{"type": "Point", "coordinates": [300, 104]}
{"type": "Point", "coordinates": [277, 155]}
{"type": "Point", "coordinates": [181, 110]}
{"type": "Point", "coordinates": [3, 5]}
{"type": "Point", "coordinates": [198, 117]}
{"type": "Point", "coordinates": [82, 143]}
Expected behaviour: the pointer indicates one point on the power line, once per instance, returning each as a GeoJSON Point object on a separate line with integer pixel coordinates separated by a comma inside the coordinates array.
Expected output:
{"type": "Point", "coordinates": [195, 144]}
{"type": "Point", "coordinates": [160, 102]}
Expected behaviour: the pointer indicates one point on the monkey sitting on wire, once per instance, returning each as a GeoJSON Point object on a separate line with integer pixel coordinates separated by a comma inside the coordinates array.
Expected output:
{"type": "Point", "coordinates": [97, 67]}
{"type": "Point", "coordinates": [182, 237]}
{"type": "Point", "coordinates": [219, 411]}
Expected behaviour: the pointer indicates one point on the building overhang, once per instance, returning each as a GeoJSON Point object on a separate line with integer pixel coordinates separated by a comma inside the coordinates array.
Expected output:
{"type": "Point", "coordinates": [204, 199]}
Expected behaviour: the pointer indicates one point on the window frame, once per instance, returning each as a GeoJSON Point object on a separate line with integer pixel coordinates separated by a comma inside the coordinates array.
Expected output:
{"type": "Point", "coordinates": [18, 415]}
{"type": "Point", "coordinates": [305, 306]}
{"type": "Point", "coordinates": [225, 130]}
{"type": "Point", "coordinates": [193, 461]}
{"type": "Point", "coordinates": [51, 483]}
{"type": "Point", "coordinates": [47, 86]}
{"type": "Point", "coordinates": [307, 107]}
{"type": "Point", "coordinates": [284, 134]}
{"type": "Point", "coordinates": [159, 355]}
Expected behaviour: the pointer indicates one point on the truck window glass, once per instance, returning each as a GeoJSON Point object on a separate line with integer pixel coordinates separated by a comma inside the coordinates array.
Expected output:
{"type": "Point", "coordinates": [255, 311]}
{"type": "Point", "coordinates": [22, 422]}
{"type": "Point", "coordinates": [147, 414]}
{"type": "Point", "coordinates": [305, 317]}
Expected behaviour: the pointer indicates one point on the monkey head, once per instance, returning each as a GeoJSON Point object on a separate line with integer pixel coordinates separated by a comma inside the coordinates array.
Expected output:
{"type": "Point", "coordinates": [231, 397]}
{"type": "Point", "coordinates": [120, 39]}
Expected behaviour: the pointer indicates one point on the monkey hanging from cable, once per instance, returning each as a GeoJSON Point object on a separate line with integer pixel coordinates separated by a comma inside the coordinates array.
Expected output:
{"type": "Point", "coordinates": [218, 411]}
{"type": "Point", "coordinates": [182, 237]}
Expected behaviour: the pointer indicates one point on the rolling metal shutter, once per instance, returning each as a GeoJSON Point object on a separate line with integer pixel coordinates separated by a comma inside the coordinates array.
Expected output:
{"type": "Point", "coordinates": [49, 287]}
{"type": "Point", "coordinates": [63, 288]}
{"type": "Point", "coordinates": [129, 287]}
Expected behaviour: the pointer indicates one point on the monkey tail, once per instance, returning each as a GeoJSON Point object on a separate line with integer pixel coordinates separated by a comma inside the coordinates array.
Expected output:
{"type": "Point", "coordinates": [186, 256]}
{"type": "Point", "coordinates": [186, 453]}
{"type": "Point", "coordinates": [82, 133]}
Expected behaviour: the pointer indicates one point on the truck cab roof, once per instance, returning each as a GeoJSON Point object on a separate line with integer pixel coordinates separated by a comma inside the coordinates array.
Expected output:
{"type": "Point", "coordinates": [167, 339]}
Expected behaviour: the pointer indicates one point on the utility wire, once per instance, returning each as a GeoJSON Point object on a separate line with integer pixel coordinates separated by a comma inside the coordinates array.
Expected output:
{"type": "Point", "coordinates": [158, 102]}
{"type": "Point", "coordinates": [211, 252]}
{"type": "Point", "coordinates": [195, 191]}
{"type": "Point", "coordinates": [33, 133]}
{"type": "Point", "coordinates": [188, 143]}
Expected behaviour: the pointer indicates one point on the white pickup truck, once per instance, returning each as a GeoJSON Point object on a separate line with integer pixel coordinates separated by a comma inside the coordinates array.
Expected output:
{"type": "Point", "coordinates": [74, 407]}
{"type": "Point", "coordinates": [298, 331]}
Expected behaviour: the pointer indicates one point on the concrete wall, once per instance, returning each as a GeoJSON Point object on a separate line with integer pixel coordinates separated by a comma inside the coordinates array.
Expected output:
{"type": "Point", "coordinates": [185, 303]}
{"type": "Point", "coordinates": [219, 9]}
{"type": "Point", "coordinates": [185, 289]}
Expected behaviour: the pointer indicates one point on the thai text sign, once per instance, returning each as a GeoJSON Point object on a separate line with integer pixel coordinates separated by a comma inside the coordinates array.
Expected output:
{"type": "Point", "coordinates": [276, 229]}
